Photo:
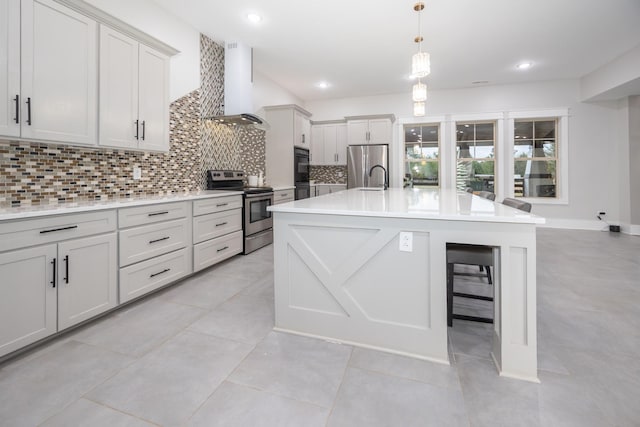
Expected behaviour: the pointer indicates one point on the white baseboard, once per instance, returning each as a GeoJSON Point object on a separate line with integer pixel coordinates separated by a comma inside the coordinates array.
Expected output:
{"type": "Point", "coordinates": [588, 224]}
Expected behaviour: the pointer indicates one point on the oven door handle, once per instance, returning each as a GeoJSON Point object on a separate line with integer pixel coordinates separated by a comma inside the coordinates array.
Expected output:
{"type": "Point", "coordinates": [258, 196]}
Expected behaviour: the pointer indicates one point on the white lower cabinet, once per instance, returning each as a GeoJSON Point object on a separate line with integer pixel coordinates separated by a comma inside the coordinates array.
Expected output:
{"type": "Point", "coordinates": [48, 288]}
{"type": "Point", "coordinates": [146, 276]}
{"type": "Point", "coordinates": [28, 303]}
{"type": "Point", "coordinates": [284, 196]}
{"type": "Point", "coordinates": [87, 282]}
{"type": "Point", "coordinates": [216, 250]}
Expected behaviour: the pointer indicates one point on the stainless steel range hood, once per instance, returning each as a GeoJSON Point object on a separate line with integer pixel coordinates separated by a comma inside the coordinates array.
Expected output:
{"type": "Point", "coordinates": [238, 88]}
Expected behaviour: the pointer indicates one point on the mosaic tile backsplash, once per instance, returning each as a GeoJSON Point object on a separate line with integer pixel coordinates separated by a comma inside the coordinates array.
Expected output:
{"type": "Point", "coordinates": [39, 173]}
{"type": "Point", "coordinates": [328, 174]}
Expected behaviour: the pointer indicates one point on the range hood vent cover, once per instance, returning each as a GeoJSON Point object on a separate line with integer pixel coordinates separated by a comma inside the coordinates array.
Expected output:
{"type": "Point", "coordinates": [238, 88]}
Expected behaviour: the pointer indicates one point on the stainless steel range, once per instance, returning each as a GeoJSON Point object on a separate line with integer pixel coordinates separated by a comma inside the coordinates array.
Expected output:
{"type": "Point", "coordinates": [258, 223]}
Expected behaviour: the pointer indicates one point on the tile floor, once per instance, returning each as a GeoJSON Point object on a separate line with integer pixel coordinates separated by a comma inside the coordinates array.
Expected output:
{"type": "Point", "coordinates": [202, 353]}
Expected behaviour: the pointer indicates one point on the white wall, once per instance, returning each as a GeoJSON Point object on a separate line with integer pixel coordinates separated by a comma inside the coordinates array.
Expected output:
{"type": "Point", "coordinates": [267, 92]}
{"type": "Point", "coordinates": [594, 156]}
{"type": "Point", "coordinates": [147, 16]}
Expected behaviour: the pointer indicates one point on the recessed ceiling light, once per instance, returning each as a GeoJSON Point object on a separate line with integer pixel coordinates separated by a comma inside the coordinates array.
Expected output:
{"type": "Point", "coordinates": [323, 85]}
{"type": "Point", "coordinates": [524, 65]}
{"type": "Point", "coordinates": [254, 17]}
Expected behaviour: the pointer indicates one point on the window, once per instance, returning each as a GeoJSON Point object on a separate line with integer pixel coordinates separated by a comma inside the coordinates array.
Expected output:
{"type": "Point", "coordinates": [422, 154]}
{"type": "Point", "coordinates": [475, 154]}
{"type": "Point", "coordinates": [535, 158]}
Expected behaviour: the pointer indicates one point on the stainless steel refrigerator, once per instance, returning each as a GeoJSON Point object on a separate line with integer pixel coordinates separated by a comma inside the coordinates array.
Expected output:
{"type": "Point", "coordinates": [360, 160]}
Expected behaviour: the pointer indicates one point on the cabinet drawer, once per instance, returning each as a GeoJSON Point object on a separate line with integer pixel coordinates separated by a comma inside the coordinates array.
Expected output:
{"type": "Point", "coordinates": [216, 204]}
{"type": "Point", "coordinates": [139, 279]}
{"type": "Point", "coordinates": [142, 215]}
{"type": "Point", "coordinates": [37, 231]}
{"type": "Point", "coordinates": [283, 196]}
{"type": "Point", "coordinates": [216, 250]}
{"type": "Point", "coordinates": [141, 243]}
{"type": "Point", "coordinates": [214, 225]}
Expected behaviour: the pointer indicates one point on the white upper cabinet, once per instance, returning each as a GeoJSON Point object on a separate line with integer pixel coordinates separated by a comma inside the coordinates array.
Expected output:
{"type": "Point", "coordinates": [329, 144]}
{"type": "Point", "coordinates": [134, 98]}
{"type": "Point", "coordinates": [10, 67]}
{"type": "Point", "coordinates": [59, 74]}
{"type": "Point", "coordinates": [372, 130]}
{"type": "Point", "coordinates": [301, 130]}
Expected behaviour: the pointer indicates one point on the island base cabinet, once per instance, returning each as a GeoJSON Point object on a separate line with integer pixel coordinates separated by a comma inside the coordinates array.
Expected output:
{"type": "Point", "coordinates": [87, 282]}
{"type": "Point", "coordinates": [138, 279]}
{"type": "Point", "coordinates": [28, 303]}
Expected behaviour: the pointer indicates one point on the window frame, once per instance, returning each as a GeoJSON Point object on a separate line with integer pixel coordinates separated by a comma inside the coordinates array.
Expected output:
{"type": "Point", "coordinates": [561, 116]}
{"type": "Point", "coordinates": [405, 159]}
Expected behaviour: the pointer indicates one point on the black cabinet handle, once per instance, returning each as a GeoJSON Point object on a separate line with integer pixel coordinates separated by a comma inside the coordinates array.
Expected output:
{"type": "Point", "coordinates": [143, 128]}
{"type": "Point", "coordinates": [29, 111]}
{"type": "Point", "coordinates": [223, 249]}
{"type": "Point", "coordinates": [53, 282]}
{"type": "Point", "coordinates": [159, 240]}
{"type": "Point", "coordinates": [159, 213]}
{"type": "Point", "coordinates": [221, 224]}
{"type": "Point", "coordinates": [137, 123]}
{"type": "Point", "coordinates": [66, 269]}
{"type": "Point", "coordinates": [221, 205]}
{"type": "Point", "coordinates": [71, 227]}
{"type": "Point", "coordinates": [17, 100]}
{"type": "Point", "coordinates": [159, 273]}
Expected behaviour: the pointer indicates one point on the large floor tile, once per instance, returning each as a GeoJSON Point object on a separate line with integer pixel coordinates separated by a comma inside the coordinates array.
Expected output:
{"type": "Point", "coordinates": [492, 400]}
{"type": "Point", "coordinates": [405, 367]}
{"type": "Point", "coordinates": [86, 413]}
{"type": "Point", "coordinates": [234, 405]}
{"type": "Point", "coordinates": [471, 338]}
{"type": "Point", "coordinates": [371, 399]}
{"type": "Point", "coordinates": [43, 386]}
{"type": "Point", "coordinates": [140, 328]}
{"type": "Point", "coordinates": [245, 318]}
{"type": "Point", "coordinates": [301, 368]}
{"type": "Point", "coordinates": [207, 290]}
{"type": "Point", "coordinates": [170, 383]}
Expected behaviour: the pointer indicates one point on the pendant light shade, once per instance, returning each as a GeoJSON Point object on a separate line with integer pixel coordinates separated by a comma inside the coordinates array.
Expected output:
{"type": "Point", "coordinates": [420, 65]}
{"type": "Point", "coordinates": [419, 92]}
{"type": "Point", "coordinates": [418, 109]}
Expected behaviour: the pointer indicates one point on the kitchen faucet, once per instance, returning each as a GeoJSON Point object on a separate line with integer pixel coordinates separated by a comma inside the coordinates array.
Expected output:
{"type": "Point", "coordinates": [386, 176]}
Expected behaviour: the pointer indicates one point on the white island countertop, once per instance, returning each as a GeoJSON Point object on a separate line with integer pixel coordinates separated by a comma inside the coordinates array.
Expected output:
{"type": "Point", "coordinates": [411, 203]}
{"type": "Point", "coordinates": [22, 212]}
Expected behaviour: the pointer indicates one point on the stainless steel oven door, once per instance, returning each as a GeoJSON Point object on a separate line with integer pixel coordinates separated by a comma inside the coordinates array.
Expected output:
{"type": "Point", "coordinates": [256, 216]}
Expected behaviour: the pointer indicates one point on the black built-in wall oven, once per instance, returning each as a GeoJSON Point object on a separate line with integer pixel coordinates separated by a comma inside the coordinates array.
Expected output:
{"type": "Point", "coordinates": [257, 220]}
{"type": "Point", "coordinates": [301, 173]}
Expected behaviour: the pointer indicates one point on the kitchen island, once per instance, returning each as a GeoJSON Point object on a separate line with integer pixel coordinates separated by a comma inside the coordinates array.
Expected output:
{"type": "Point", "coordinates": [368, 267]}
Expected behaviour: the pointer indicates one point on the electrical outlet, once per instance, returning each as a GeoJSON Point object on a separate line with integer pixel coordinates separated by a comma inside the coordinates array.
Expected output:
{"type": "Point", "coordinates": [406, 241]}
{"type": "Point", "coordinates": [137, 173]}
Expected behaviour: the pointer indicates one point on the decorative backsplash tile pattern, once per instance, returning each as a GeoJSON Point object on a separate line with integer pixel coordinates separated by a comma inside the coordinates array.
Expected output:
{"type": "Point", "coordinates": [38, 173]}
{"type": "Point", "coordinates": [328, 174]}
{"type": "Point", "coordinates": [253, 151]}
{"type": "Point", "coordinates": [211, 77]}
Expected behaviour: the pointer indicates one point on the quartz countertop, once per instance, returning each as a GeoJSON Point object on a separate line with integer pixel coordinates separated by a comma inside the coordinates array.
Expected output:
{"type": "Point", "coordinates": [409, 203]}
{"type": "Point", "coordinates": [96, 205]}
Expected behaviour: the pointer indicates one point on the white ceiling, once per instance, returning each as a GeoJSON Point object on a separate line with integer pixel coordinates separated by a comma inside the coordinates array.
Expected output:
{"type": "Point", "coordinates": [365, 47]}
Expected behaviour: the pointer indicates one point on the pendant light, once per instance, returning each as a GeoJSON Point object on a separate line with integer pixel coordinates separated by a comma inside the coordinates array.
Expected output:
{"type": "Point", "coordinates": [419, 91]}
{"type": "Point", "coordinates": [421, 61]}
{"type": "Point", "coordinates": [418, 109]}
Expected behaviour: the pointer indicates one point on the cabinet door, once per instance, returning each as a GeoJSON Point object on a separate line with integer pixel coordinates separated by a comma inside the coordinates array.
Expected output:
{"type": "Point", "coordinates": [118, 89]}
{"type": "Point", "coordinates": [28, 303]}
{"type": "Point", "coordinates": [59, 73]}
{"type": "Point", "coordinates": [380, 131]}
{"type": "Point", "coordinates": [153, 100]}
{"type": "Point", "coordinates": [316, 152]}
{"type": "Point", "coordinates": [358, 132]}
{"type": "Point", "coordinates": [321, 190]}
{"type": "Point", "coordinates": [10, 67]}
{"type": "Point", "coordinates": [341, 144]}
{"type": "Point", "coordinates": [330, 144]}
{"type": "Point", "coordinates": [87, 281]}
{"type": "Point", "coordinates": [301, 130]}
